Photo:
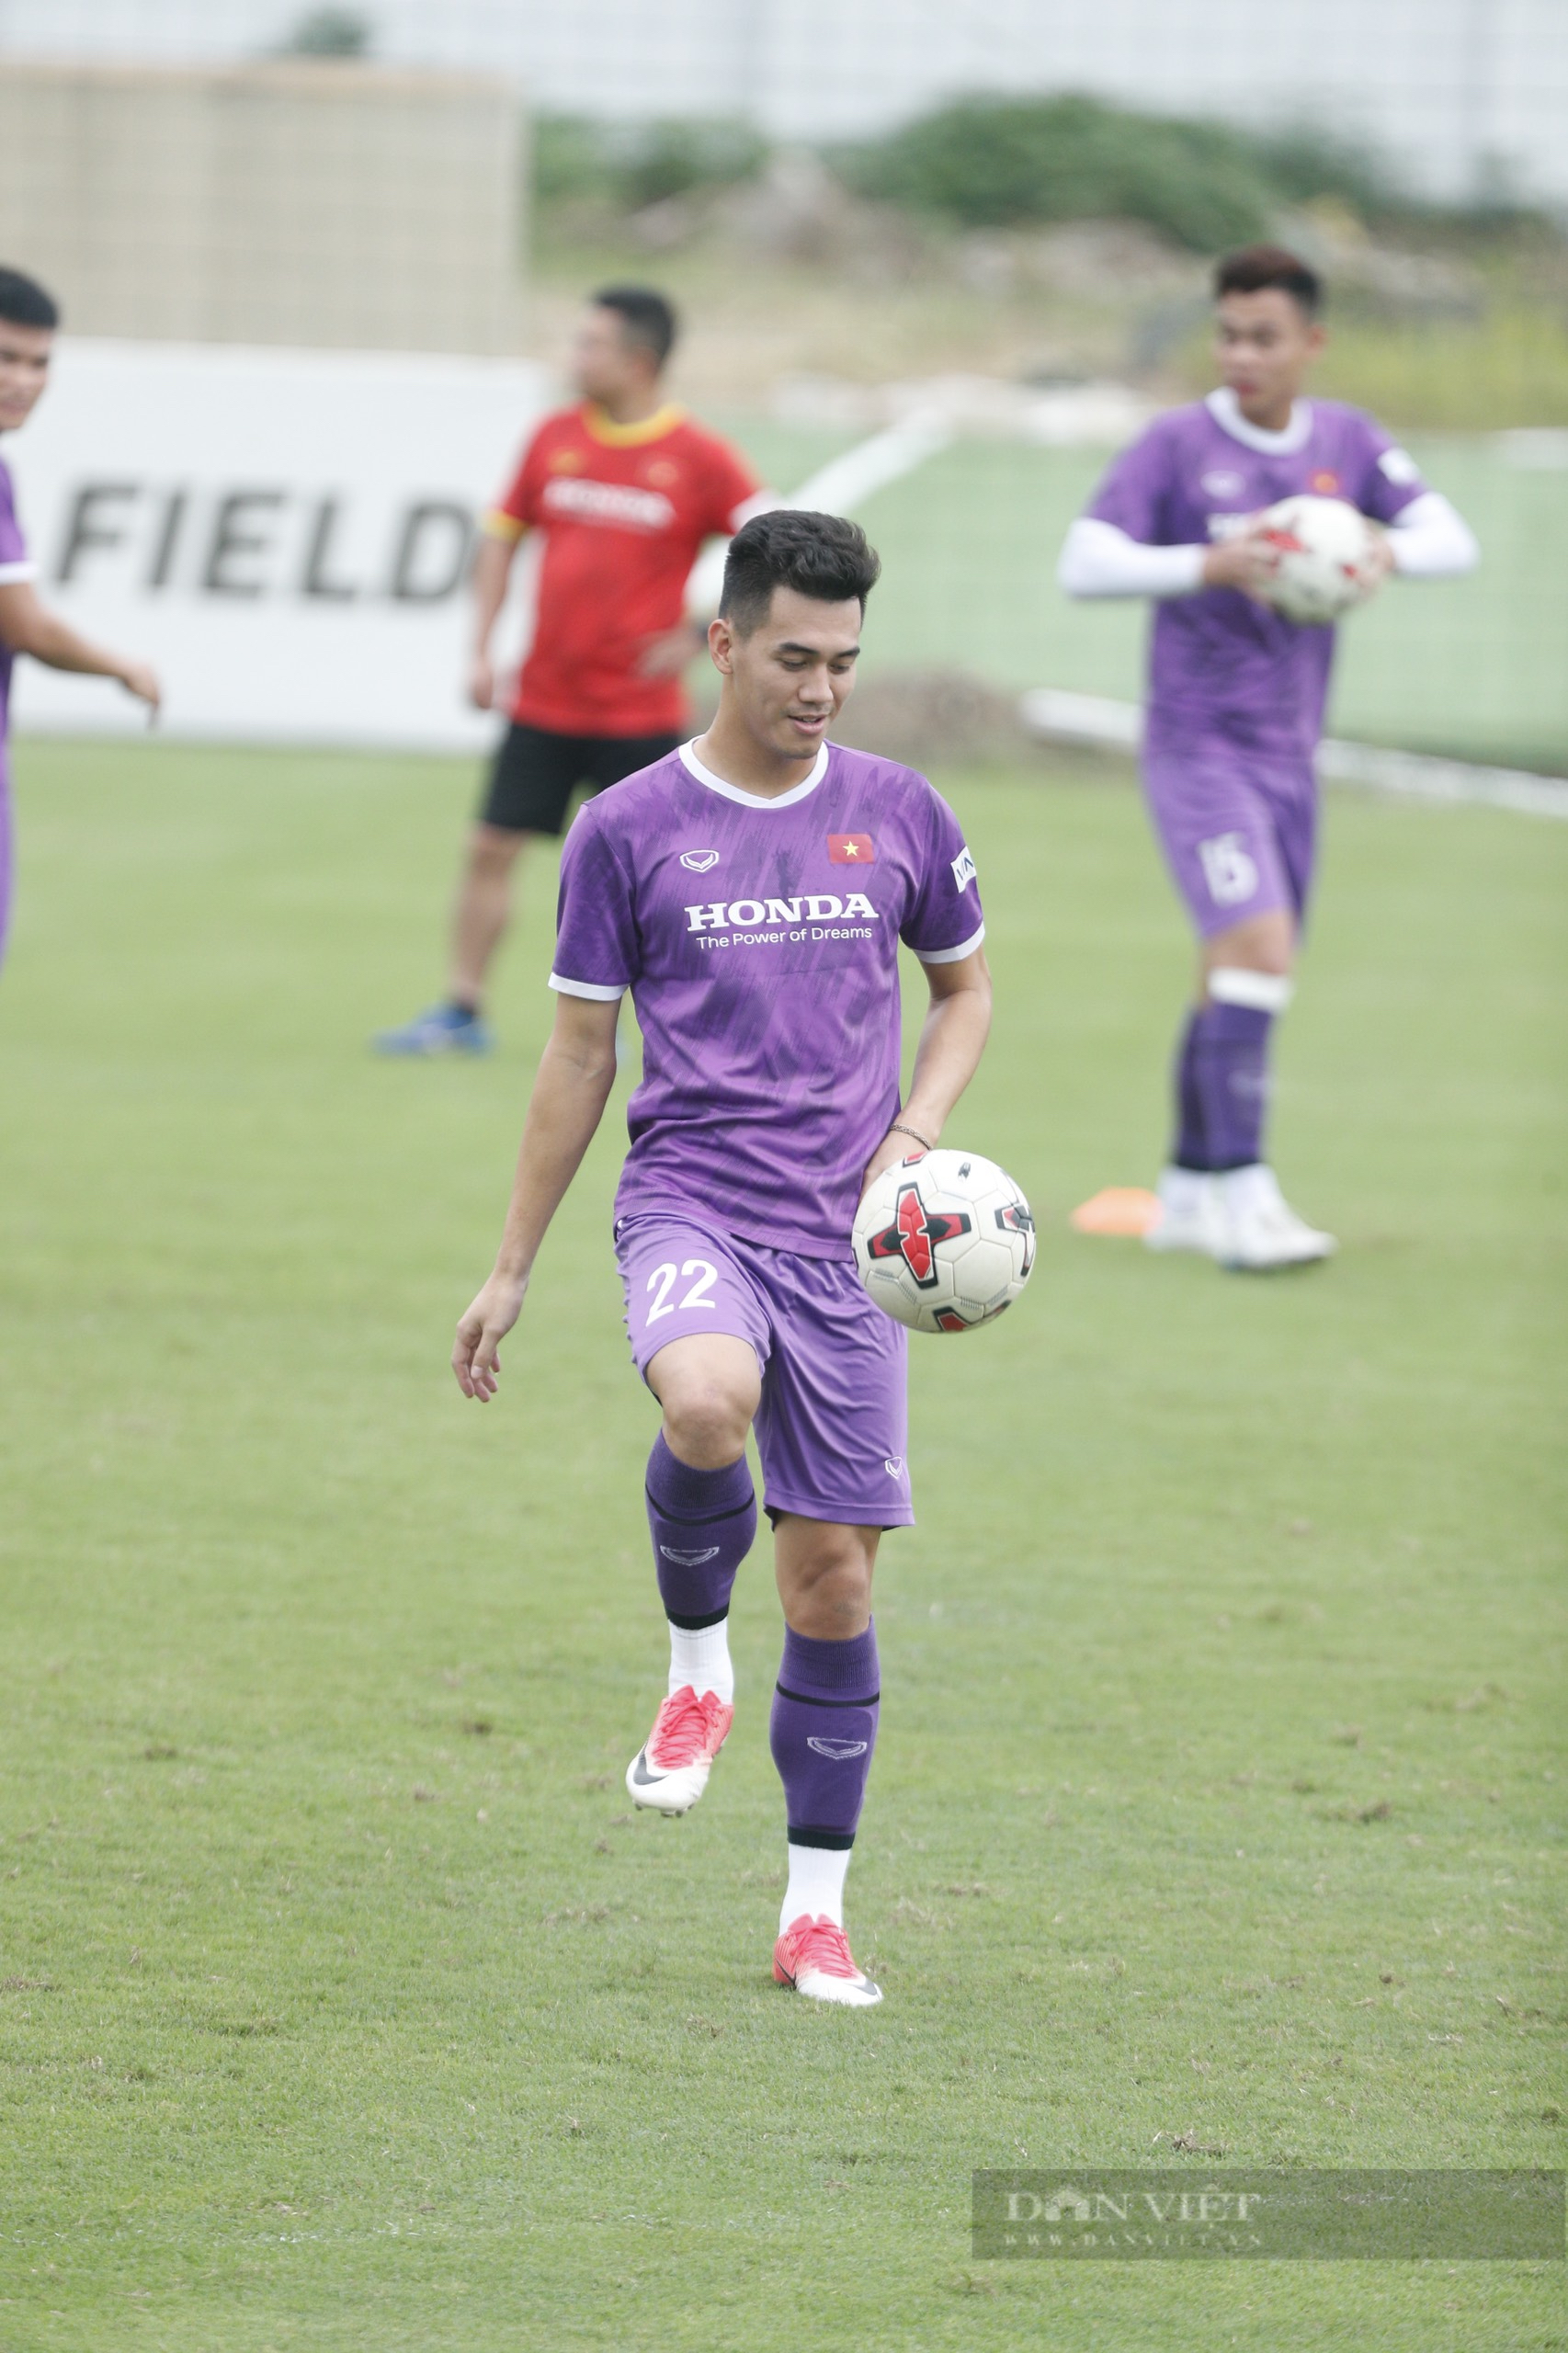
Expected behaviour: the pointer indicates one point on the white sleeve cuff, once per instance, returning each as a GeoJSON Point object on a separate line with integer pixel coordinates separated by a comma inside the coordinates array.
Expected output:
{"type": "Point", "coordinates": [594, 989]}
{"type": "Point", "coordinates": [1429, 540]}
{"type": "Point", "coordinates": [1098, 559]}
{"type": "Point", "coordinates": [951, 955]}
{"type": "Point", "coordinates": [23, 569]}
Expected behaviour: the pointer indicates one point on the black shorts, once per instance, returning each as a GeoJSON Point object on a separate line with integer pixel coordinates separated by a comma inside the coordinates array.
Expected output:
{"type": "Point", "coordinates": [537, 771]}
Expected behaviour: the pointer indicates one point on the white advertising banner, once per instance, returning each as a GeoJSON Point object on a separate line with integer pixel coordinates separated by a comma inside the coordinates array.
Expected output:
{"type": "Point", "coordinates": [285, 534]}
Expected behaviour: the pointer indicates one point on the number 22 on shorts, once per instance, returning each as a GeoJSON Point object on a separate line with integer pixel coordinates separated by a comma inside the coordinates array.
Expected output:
{"type": "Point", "coordinates": [663, 1280]}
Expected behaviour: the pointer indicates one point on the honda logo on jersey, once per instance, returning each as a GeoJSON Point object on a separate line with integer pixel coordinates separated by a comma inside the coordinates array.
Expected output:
{"type": "Point", "coordinates": [753, 914]}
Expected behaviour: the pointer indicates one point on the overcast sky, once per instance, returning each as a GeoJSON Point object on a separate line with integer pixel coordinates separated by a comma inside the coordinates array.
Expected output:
{"type": "Point", "coordinates": [1449, 89]}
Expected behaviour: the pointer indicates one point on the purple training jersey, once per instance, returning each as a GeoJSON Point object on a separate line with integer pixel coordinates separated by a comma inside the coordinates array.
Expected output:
{"type": "Point", "coordinates": [14, 565]}
{"type": "Point", "coordinates": [1221, 663]}
{"type": "Point", "coordinates": [759, 940]}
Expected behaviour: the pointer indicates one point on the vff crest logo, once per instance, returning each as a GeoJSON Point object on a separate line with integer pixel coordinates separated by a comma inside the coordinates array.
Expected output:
{"type": "Point", "coordinates": [964, 869]}
{"type": "Point", "coordinates": [700, 861]}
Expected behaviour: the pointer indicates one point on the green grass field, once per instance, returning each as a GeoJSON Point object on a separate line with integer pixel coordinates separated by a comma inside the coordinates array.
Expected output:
{"type": "Point", "coordinates": [1220, 1785]}
{"type": "Point", "coordinates": [1473, 667]}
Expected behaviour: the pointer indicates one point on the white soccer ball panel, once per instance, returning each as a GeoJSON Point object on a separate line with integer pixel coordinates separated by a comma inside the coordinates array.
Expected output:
{"type": "Point", "coordinates": [1322, 550]}
{"type": "Point", "coordinates": [943, 1241]}
{"type": "Point", "coordinates": [983, 1272]}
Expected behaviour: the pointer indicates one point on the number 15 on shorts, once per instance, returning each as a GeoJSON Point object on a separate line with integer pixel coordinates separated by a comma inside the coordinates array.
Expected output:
{"type": "Point", "coordinates": [663, 1281]}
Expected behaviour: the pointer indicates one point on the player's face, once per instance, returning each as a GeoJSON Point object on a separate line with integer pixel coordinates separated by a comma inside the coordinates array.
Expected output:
{"type": "Point", "coordinates": [792, 676]}
{"type": "Point", "coordinates": [607, 366]}
{"type": "Point", "coordinates": [1265, 343]}
{"type": "Point", "coordinates": [24, 371]}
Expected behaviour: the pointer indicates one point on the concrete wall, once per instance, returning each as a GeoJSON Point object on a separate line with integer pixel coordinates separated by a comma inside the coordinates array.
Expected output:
{"type": "Point", "coordinates": [312, 201]}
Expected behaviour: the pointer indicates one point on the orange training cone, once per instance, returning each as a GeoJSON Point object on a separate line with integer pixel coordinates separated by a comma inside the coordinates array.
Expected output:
{"type": "Point", "coordinates": [1129, 1210]}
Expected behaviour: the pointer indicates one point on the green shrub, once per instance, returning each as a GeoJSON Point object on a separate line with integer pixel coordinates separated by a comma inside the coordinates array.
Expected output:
{"type": "Point", "coordinates": [1304, 164]}
{"type": "Point", "coordinates": [631, 165]}
{"type": "Point", "coordinates": [569, 160]}
{"type": "Point", "coordinates": [664, 159]}
{"type": "Point", "coordinates": [995, 162]}
{"type": "Point", "coordinates": [330, 32]}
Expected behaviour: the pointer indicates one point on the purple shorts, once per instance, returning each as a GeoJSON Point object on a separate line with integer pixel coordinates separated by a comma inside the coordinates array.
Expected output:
{"type": "Point", "coordinates": [833, 1424]}
{"type": "Point", "coordinates": [1238, 828]}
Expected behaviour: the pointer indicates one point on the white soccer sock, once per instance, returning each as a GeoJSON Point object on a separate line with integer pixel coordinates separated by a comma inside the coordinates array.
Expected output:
{"type": "Point", "coordinates": [701, 1655]}
{"type": "Point", "coordinates": [816, 1884]}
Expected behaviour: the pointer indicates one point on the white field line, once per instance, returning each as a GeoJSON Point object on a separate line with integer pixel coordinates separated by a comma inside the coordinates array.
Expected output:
{"type": "Point", "coordinates": [1060, 717]}
{"type": "Point", "coordinates": [846, 482]}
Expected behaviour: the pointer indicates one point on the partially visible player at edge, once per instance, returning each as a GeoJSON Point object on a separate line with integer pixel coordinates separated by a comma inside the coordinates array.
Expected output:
{"type": "Point", "coordinates": [1235, 710]}
{"type": "Point", "coordinates": [623, 489]}
{"type": "Point", "coordinates": [28, 318]}
{"type": "Point", "coordinates": [751, 892]}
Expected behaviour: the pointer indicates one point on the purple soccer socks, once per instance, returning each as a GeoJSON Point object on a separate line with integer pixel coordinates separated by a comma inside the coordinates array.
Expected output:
{"type": "Point", "coordinates": [823, 1731]}
{"type": "Point", "coordinates": [1222, 1087]}
{"type": "Point", "coordinates": [1190, 1148]}
{"type": "Point", "coordinates": [702, 1523]}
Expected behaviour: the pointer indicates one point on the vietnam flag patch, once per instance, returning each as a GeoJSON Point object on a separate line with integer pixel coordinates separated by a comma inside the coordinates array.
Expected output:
{"type": "Point", "coordinates": [850, 849]}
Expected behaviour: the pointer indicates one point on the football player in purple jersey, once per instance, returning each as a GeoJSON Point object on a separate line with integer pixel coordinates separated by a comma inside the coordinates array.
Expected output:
{"type": "Point", "coordinates": [751, 890]}
{"type": "Point", "coordinates": [28, 318]}
{"type": "Point", "coordinates": [1235, 710]}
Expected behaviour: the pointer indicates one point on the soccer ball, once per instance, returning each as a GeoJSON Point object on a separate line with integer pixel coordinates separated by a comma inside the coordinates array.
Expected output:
{"type": "Point", "coordinates": [943, 1241]}
{"type": "Point", "coordinates": [1322, 560]}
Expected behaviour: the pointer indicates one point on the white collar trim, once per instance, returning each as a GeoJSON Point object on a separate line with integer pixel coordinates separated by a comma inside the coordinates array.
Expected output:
{"type": "Point", "coordinates": [1224, 408]}
{"type": "Point", "coordinates": [756, 800]}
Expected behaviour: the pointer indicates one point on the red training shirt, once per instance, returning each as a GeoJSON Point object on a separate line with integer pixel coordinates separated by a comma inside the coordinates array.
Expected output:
{"type": "Point", "coordinates": [624, 509]}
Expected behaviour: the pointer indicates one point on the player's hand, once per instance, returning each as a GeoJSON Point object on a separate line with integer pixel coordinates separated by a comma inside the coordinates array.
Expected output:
{"type": "Point", "coordinates": [140, 679]}
{"type": "Point", "coordinates": [482, 682]}
{"type": "Point", "coordinates": [1245, 562]}
{"type": "Point", "coordinates": [891, 1149]}
{"type": "Point", "coordinates": [475, 1358]}
{"type": "Point", "coordinates": [666, 655]}
{"type": "Point", "coordinates": [1379, 562]}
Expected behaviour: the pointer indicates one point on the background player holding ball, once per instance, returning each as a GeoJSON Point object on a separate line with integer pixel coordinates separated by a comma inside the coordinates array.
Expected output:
{"type": "Point", "coordinates": [751, 890]}
{"type": "Point", "coordinates": [1236, 699]}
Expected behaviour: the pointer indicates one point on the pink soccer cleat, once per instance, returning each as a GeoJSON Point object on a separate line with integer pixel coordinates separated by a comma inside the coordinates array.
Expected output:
{"type": "Point", "coordinates": [670, 1771]}
{"type": "Point", "coordinates": [814, 1957]}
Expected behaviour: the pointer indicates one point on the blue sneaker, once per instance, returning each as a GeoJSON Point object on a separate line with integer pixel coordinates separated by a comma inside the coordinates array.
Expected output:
{"type": "Point", "coordinates": [440, 1030]}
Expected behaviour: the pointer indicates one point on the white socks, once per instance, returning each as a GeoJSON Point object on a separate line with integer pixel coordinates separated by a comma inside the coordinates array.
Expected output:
{"type": "Point", "coordinates": [700, 1656]}
{"type": "Point", "coordinates": [816, 1884]}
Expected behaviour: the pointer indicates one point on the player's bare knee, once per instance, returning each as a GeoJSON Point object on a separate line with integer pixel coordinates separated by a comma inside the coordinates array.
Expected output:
{"type": "Point", "coordinates": [706, 1420]}
{"type": "Point", "coordinates": [493, 850]}
{"type": "Point", "coordinates": [830, 1599]}
{"type": "Point", "coordinates": [824, 1577]}
{"type": "Point", "coordinates": [1251, 965]}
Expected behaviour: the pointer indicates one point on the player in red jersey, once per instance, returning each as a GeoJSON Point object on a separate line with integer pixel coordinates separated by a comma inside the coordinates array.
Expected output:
{"type": "Point", "coordinates": [624, 490]}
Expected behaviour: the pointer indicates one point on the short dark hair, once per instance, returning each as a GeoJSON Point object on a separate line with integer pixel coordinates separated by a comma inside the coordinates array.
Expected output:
{"type": "Point", "coordinates": [24, 303]}
{"type": "Point", "coordinates": [1254, 267]}
{"type": "Point", "coordinates": [647, 317]}
{"type": "Point", "coordinates": [824, 556]}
